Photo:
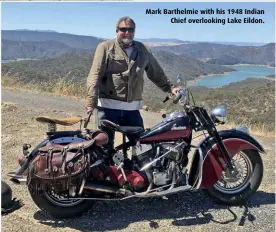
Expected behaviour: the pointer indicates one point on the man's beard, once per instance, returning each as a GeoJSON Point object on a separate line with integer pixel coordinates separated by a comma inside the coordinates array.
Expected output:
{"type": "Point", "coordinates": [126, 42]}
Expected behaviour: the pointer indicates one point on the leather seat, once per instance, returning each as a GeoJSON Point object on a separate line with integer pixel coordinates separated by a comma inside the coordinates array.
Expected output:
{"type": "Point", "coordinates": [130, 131]}
{"type": "Point", "coordinates": [63, 121]}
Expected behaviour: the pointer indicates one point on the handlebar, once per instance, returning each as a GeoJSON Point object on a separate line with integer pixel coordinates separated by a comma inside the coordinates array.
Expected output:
{"type": "Point", "coordinates": [179, 95]}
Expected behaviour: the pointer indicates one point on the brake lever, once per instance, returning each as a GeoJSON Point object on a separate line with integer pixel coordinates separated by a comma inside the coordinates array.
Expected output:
{"type": "Point", "coordinates": [168, 98]}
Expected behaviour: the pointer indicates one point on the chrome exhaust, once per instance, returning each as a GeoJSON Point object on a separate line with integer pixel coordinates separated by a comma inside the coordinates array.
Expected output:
{"type": "Point", "coordinates": [169, 191]}
{"type": "Point", "coordinates": [17, 179]}
{"type": "Point", "coordinates": [103, 188]}
{"type": "Point", "coordinates": [128, 194]}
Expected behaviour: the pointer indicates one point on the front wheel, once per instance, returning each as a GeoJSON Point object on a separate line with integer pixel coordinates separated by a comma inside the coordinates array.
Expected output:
{"type": "Point", "coordinates": [236, 189]}
{"type": "Point", "coordinates": [59, 206]}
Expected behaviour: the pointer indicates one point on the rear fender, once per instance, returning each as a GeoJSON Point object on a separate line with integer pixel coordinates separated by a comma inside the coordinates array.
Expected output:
{"type": "Point", "coordinates": [209, 158]}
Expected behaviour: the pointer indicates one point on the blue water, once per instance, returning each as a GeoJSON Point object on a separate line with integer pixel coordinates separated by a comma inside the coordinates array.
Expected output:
{"type": "Point", "coordinates": [243, 72]}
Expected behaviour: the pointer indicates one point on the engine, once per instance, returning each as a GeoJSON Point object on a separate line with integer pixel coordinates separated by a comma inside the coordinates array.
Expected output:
{"type": "Point", "coordinates": [167, 169]}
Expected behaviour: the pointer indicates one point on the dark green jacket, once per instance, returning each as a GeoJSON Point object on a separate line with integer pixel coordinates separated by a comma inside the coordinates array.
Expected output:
{"type": "Point", "coordinates": [114, 75]}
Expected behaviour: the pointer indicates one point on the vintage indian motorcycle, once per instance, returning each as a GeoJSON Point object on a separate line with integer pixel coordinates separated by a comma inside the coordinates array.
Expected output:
{"type": "Point", "coordinates": [70, 170]}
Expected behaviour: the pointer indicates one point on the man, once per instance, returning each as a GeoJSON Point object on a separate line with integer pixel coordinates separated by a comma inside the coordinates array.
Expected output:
{"type": "Point", "coordinates": [115, 81]}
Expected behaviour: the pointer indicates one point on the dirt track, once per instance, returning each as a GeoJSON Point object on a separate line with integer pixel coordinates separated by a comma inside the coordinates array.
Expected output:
{"type": "Point", "coordinates": [181, 212]}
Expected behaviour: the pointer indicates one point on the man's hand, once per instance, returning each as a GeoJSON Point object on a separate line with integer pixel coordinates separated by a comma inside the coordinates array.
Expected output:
{"type": "Point", "coordinates": [175, 90]}
{"type": "Point", "coordinates": [89, 110]}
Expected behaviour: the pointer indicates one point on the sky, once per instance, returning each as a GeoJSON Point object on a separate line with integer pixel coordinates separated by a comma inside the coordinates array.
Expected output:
{"type": "Point", "coordinates": [99, 19]}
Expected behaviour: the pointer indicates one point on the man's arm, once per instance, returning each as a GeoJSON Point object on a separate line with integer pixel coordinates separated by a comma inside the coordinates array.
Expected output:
{"type": "Point", "coordinates": [156, 74]}
{"type": "Point", "coordinates": [96, 73]}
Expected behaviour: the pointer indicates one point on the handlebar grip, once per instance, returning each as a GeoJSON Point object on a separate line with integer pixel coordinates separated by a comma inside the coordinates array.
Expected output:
{"type": "Point", "coordinates": [166, 99]}
{"type": "Point", "coordinates": [175, 101]}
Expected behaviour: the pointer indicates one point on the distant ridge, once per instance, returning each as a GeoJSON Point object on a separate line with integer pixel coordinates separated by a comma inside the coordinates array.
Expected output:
{"type": "Point", "coordinates": [213, 53]}
{"type": "Point", "coordinates": [36, 30]}
{"type": "Point", "coordinates": [151, 40]}
{"type": "Point", "coordinates": [75, 41]}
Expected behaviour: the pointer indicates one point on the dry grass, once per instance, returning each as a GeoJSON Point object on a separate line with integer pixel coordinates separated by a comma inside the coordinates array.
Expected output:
{"type": "Point", "coordinates": [258, 129]}
{"type": "Point", "coordinates": [9, 82]}
{"type": "Point", "coordinates": [60, 87]}
{"type": "Point", "coordinates": [68, 88]}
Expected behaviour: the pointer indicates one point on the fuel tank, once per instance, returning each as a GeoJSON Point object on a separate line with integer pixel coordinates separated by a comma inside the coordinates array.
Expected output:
{"type": "Point", "coordinates": [174, 127]}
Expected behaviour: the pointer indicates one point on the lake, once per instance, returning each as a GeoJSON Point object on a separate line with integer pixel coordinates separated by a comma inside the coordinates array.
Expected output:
{"type": "Point", "coordinates": [243, 72]}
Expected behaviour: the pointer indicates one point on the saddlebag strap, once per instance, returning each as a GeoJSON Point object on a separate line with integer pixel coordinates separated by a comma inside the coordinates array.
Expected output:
{"type": "Point", "coordinates": [69, 147]}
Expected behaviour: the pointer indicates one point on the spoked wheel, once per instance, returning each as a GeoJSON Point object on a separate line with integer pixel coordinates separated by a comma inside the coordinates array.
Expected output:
{"type": "Point", "coordinates": [237, 188]}
{"type": "Point", "coordinates": [59, 205]}
{"type": "Point", "coordinates": [61, 200]}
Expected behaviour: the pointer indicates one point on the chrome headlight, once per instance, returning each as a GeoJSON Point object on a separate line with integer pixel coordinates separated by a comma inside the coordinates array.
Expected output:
{"type": "Point", "coordinates": [219, 114]}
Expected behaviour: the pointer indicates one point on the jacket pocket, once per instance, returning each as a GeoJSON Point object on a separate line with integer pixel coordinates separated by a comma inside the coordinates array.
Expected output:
{"type": "Point", "coordinates": [120, 85]}
{"type": "Point", "coordinates": [116, 64]}
{"type": "Point", "coordinates": [113, 86]}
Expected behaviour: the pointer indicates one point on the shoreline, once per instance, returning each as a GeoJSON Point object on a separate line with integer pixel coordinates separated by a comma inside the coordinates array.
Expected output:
{"type": "Point", "coordinates": [259, 65]}
{"type": "Point", "coordinates": [16, 60]}
{"type": "Point", "coordinates": [190, 82]}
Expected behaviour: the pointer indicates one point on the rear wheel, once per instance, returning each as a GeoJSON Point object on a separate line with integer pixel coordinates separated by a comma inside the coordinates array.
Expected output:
{"type": "Point", "coordinates": [236, 189]}
{"type": "Point", "coordinates": [6, 194]}
{"type": "Point", "coordinates": [60, 206]}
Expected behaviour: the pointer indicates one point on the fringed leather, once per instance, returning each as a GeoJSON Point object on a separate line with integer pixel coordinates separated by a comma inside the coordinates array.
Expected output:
{"type": "Point", "coordinates": [58, 169]}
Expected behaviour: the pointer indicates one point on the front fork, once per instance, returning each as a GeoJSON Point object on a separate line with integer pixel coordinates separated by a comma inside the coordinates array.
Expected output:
{"type": "Point", "coordinates": [214, 133]}
{"type": "Point", "coordinates": [208, 123]}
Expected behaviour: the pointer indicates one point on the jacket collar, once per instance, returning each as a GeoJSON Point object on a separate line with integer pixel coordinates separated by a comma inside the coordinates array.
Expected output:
{"type": "Point", "coordinates": [133, 55]}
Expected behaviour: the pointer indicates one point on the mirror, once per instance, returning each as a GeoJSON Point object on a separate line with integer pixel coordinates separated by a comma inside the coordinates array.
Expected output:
{"type": "Point", "coordinates": [219, 114]}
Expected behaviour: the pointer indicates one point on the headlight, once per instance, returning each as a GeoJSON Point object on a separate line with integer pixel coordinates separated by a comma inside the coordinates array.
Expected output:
{"type": "Point", "coordinates": [219, 114]}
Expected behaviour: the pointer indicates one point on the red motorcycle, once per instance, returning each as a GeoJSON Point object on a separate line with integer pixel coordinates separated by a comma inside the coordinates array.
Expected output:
{"type": "Point", "coordinates": [70, 170]}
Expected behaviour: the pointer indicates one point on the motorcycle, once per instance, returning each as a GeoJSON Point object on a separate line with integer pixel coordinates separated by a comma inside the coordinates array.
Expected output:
{"type": "Point", "coordinates": [153, 162]}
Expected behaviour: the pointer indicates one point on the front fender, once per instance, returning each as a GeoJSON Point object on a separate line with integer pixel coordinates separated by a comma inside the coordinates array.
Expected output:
{"type": "Point", "coordinates": [210, 158]}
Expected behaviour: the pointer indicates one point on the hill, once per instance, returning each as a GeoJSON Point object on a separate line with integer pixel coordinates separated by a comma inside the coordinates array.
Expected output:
{"type": "Point", "coordinates": [158, 40]}
{"type": "Point", "coordinates": [74, 41]}
{"type": "Point", "coordinates": [37, 49]}
{"type": "Point", "coordinates": [225, 54]}
{"type": "Point", "coordinates": [76, 66]}
{"type": "Point", "coordinates": [69, 72]}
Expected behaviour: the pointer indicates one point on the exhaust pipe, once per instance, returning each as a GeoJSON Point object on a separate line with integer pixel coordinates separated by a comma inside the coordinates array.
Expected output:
{"type": "Point", "coordinates": [102, 188]}
{"type": "Point", "coordinates": [17, 179]}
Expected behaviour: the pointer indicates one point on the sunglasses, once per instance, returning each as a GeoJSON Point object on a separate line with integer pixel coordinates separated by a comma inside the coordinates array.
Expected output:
{"type": "Point", "coordinates": [125, 29]}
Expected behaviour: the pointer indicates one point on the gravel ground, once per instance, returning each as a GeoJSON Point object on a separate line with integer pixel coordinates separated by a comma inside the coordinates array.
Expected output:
{"type": "Point", "coordinates": [181, 212]}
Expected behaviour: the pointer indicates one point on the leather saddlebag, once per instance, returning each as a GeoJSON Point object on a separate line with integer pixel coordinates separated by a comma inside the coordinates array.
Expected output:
{"type": "Point", "coordinates": [60, 166]}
